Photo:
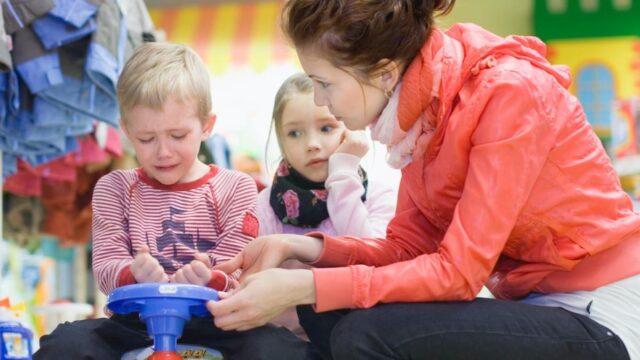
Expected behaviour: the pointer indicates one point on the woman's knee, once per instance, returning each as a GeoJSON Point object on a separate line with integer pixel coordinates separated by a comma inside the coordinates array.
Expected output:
{"type": "Point", "coordinates": [358, 336]}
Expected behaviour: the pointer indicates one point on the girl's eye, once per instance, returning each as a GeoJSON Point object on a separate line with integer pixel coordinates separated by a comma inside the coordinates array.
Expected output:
{"type": "Point", "coordinates": [326, 128]}
{"type": "Point", "coordinates": [293, 134]}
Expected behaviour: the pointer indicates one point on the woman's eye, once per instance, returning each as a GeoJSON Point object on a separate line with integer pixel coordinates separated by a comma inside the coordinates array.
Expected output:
{"type": "Point", "coordinates": [326, 128]}
{"type": "Point", "coordinates": [322, 84]}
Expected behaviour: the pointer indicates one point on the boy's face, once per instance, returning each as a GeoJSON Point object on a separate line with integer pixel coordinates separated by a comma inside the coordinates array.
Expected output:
{"type": "Point", "coordinates": [167, 141]}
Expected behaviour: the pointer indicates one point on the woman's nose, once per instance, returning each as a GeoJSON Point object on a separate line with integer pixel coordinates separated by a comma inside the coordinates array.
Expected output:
{"type": "Point", "coordinates": [319, 98]}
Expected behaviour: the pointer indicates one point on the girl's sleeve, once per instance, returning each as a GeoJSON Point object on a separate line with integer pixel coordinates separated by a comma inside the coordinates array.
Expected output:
{"type": "Point", "coordinates": [112, 252]}
{"type": "Point", "coordinates": [509, 147]}
{"type": "Point", "coordinates": [269, 223]}
{"type": "Point", "coordinates": [349, 214]}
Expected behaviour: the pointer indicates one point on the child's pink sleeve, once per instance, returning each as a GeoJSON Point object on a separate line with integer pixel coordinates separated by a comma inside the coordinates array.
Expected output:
{"type": "Point", "coordinates": [269, 223]}
{"type": "Point", "coordinates": [349, 214]}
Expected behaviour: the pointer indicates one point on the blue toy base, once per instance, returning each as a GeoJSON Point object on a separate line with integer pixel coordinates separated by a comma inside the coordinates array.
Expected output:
{"type": "Point", "coordinates": [163, 307]}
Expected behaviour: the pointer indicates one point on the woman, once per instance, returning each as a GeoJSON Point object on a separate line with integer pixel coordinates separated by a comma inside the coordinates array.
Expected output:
{"type": "Point", "coordinates": [504, 184]}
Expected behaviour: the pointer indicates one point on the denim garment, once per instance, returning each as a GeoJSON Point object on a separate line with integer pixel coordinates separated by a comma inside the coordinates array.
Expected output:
{"type": "Point", "coordinates": [47, 115]}
{"type": "Point", "coordinates": [38, 67]}
{"type": "Point", "coordinates": [478, 329]}
{"type": "Point", "coordinates": [74, 12]}
{"type": "Point", "coordinates": [15, 132]}
{"type": "Point", "coordinates": [110, 338]}
{"type": "Point", "coordinates": [71, 144]}
{"type": "Point", "coordinates": [17, 14]}
{"type": "Point", "coordinates": [54, 32]}
{"type": "Point", "coordinates": [9, 165]}
{"type": "Point", "coordinates": [9, 93]}
{"type": "Point", "coordinates": [106, 53]}
{"type": "Point", "coordinates": [13, 135]}
{"type": "Point", "coordinates": [84, 97]}
{"type": "Point", "coordinates": [78, 92]}
{"type": "Point", "coordinates": [9, 99]}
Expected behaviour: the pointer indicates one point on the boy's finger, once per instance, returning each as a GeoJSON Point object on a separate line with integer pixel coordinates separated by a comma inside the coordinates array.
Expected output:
{"type": "Point", "coordinates": [143, 249]}
{"type": "Point", "coordinates": [204, 258]}
{"type": "Point", "coordinates": [200, 269]}
{"type": "Point", "coordinates": [178, 277]}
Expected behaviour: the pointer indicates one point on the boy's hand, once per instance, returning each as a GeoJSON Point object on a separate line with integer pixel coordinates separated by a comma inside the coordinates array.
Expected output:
{"type": "Point", "coordinates": [197, 272]}
{"type": "Point", "coordinates": [145, 268]}
{"type": "Point", "coordinates": [354, 142]}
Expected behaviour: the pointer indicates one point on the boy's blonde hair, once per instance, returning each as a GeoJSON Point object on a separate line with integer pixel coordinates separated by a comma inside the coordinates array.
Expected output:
{"type": "Point", "coordinates": [295, 84]}
{"type": "Point", "coordinates": [157, 71]}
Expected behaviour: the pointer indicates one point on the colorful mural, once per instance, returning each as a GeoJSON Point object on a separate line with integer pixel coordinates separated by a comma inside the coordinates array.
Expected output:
{"type": "Point", "coordinates": [600, 42]}
{"type": "Point", "coordinates": [228, 35]}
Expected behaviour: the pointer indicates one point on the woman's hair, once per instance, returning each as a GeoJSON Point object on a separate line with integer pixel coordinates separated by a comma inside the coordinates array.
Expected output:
{"type": "Point", "coordinates": [295, 84]}
{"type": "Point", "coordinates": [157, 71]}
{"type": "Point", "coordinates": [360, 33]}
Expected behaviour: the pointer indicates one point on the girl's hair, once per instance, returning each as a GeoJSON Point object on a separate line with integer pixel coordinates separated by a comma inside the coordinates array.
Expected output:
{"type": "Point", "coordinates": [295, 84]}
{"type": "Point", "coordinates": [157, 71]}
{"type": "Point", "coordinates": [359, 33]}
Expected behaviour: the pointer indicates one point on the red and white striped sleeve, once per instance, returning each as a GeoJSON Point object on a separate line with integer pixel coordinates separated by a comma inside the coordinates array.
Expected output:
{"type": "Point", "coordinates": [234, 197]}
{"type": "Point", "coordinates": [112, 250]}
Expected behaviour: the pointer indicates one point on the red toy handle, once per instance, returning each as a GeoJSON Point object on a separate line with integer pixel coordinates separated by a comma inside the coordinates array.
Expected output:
{"type": "Point", "coordinates": [165, 355]}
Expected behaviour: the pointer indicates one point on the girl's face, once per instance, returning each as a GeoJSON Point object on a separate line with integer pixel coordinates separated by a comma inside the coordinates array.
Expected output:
{"type": "Point", "coordinates": [310, 134]}
{"type": "Point", "coordinates": [354, 103]}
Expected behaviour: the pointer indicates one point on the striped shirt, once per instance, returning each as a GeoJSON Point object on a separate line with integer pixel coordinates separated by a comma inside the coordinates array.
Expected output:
{"type": "Point", "coordinates": [214, 214]}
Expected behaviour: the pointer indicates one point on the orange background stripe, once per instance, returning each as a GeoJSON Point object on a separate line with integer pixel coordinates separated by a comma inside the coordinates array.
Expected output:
{"type": "Point", "coordinates": [228, 35]}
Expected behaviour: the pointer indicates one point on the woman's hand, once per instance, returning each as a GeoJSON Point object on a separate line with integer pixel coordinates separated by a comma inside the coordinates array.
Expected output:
{"type": "Point", "coordinates": [261, 297]}
{"type": "Point", "coordinates": [197, 272]}
{"type": "Point", "coordinates": [145, 268]}
{"type": "Point", "coordinates": [354, 142]}
{"type": "Point", "coordinates": [266, 252]}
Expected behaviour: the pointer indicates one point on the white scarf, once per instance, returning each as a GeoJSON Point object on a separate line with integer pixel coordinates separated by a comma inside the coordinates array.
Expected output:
{"type": "Point", "coordinates": [386, 129]}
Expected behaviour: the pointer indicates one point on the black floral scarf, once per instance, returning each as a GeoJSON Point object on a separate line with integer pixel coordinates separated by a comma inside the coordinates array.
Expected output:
{"type": "Point", "coordinates": [299, 201]}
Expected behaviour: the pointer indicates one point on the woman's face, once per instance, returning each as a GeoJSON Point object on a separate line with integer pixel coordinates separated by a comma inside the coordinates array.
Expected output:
{"type": "Point", "coordinates": [354, 103]}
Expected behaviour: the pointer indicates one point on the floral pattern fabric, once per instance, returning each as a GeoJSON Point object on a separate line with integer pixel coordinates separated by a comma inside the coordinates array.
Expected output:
{"type": "Point", "coordinates": [299, 201]}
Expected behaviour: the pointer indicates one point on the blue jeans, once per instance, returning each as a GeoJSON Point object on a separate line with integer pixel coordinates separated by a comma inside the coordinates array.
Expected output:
{"type": "Point", "coordinates": [481, 329]}
{"type": "Point", "coordinates": [84, 97]}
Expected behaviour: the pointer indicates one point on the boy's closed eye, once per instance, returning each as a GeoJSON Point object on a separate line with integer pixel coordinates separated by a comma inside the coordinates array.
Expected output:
{"type": "Point", "coordinates": [179, 136]}
{"type": "Point", "coordinates": [145, 140]}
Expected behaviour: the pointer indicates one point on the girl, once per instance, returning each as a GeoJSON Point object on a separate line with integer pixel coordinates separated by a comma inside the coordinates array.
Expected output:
{"type": "Point", "coordinates": [319, 184]}
{"type": "Point", "coordinates": [503, 183]}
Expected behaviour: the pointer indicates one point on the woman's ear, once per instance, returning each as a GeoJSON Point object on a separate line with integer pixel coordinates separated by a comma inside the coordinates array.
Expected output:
{"type": "Point", "coordinates": [207, 128]}
{"type": "Point", "coordinates": [388, 75]}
